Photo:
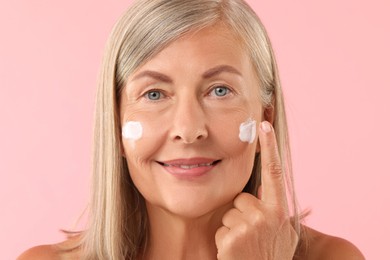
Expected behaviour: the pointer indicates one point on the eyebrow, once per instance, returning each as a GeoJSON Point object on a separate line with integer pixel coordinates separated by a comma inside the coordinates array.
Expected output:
{"type": "Point", "coordinates": [218, 70]}
{"type": "Point", "coordinates": [153, 74]}
{"type": "Point", "coordinates": [206, 75]}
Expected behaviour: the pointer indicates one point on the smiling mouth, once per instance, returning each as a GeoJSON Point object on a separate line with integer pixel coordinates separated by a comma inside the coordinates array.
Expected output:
{"type": "Point", "coordinates": [189, 166]}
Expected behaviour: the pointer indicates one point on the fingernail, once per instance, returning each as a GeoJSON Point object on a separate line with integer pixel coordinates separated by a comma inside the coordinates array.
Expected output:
{"type": "Point", "coordinates": [266, 127]}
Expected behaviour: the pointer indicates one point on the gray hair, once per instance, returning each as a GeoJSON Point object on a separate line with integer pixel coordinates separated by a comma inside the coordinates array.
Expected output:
{"type": "Point", "coordinates": [118, 227]}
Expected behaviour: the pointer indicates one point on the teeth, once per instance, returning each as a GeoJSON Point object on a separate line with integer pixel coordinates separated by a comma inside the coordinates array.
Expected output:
{"type": "Point", "coordinates": [189, 166]}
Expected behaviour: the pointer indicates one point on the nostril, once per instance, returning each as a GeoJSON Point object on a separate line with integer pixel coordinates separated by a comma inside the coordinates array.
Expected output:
{"type": "Point", "coordinates": [200, 137]}
{"type": "Point", "coordinates": [189, 137]}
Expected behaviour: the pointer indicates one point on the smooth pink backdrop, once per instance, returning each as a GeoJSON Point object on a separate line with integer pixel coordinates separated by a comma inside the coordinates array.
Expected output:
{"type": "Point", "coordinates": [334, 64]}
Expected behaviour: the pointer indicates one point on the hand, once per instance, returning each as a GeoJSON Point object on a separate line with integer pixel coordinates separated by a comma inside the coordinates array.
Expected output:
{"type": "Point", "coordinates": [260, 228]}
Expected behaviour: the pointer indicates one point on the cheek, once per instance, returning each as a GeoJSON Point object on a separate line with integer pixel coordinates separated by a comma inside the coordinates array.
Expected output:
{"type": "Point", "coordinates": [140, 156]}
{"type": "Point", "coordinates": [139, 150]}
{"type": "Point", "coordinates": [237, 152]}
{"type": "Point", "coordinates": [248, 131]}
{"type": "Point", "coordinates": [236, 131]}
{"type": "Point", "coordinates": [237, 160]}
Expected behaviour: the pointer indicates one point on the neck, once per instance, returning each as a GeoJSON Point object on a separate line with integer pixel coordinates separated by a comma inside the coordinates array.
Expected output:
{"type": "Point", "coordinates": [176, 237]}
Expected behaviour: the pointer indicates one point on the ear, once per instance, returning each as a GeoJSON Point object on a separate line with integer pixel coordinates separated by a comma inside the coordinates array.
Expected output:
{"type": "Point", "coordinates": [269, 112]}
{"type": "Point", "coordinates": [269, 115]}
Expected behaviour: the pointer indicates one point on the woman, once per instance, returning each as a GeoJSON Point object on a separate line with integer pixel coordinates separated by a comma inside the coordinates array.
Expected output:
{"type": "Point", "coordinates": [191, 156]}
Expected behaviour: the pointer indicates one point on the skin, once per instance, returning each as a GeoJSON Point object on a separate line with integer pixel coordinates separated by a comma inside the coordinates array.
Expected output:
{"type": "Point", "coordinates": [207, 217]}
{"type": "Point", "coordinates": [189, 211]}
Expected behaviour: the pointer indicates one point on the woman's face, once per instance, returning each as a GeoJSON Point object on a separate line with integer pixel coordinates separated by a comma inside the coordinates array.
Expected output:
{"type": "Point", "coordinates": [190, 100]}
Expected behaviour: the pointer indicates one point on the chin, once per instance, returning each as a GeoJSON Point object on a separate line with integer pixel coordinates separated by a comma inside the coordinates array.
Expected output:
{"type": "Point", "coordinates": [196, 206]}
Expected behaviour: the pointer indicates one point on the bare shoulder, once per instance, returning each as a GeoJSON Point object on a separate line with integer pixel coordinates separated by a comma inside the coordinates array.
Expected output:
{"type": "Point", "coordinates": [39, 252]}
{"type": "Point", "coordinates": [322, 246]}
{"type": "Point", "coordinates": [67, 249]}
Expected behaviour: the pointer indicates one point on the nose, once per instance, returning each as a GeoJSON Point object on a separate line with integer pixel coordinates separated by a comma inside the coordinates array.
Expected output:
{"type": "Point", "coordinates": [189, 122]}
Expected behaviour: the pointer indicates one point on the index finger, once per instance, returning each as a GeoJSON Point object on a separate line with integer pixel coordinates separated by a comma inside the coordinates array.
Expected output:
{"type": "Point", "coordinates": [272, 173]}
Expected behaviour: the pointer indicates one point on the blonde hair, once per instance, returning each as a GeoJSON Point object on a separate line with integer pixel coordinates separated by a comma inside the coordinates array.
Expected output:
{"type": "Point", "coordinates": [118, 227]}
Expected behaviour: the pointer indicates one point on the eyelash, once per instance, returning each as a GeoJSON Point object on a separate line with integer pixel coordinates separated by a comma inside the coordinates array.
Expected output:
{"type": "Point", "coordinates": [146, 95]}
{"type": "Point", "coordinates": [229, 91]}
{"type": "Point", "coordinates": [162, 95]}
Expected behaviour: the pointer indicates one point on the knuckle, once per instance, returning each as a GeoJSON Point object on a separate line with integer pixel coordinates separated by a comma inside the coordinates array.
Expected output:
{"type": "Point", "coordinates": [220, 237]}
{"type": "Point", "coordinates": [230, 243]}
{"type": "Point", "coordinates": [257, 219]}
{"type": "Point", "coordinates": [282, 218]}
{"type": "Point", "coordinates": [242, 199]}
{"type": "Point", "coordinates": [275, 168]}
{"type": "Point", "coordinates": [220, 234]}
{"type": "Point", "coordinates": [229, 214]}
{"type": "Point", "coordinates": [243, 230]}
{"type": "Point", "coordinates": [241, 196]}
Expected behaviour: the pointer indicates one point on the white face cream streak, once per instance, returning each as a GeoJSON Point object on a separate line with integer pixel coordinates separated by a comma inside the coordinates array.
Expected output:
{"type": "Point", "coordinates": [132, 130]}
{"type": "Point", "coordinates": [248, 131]}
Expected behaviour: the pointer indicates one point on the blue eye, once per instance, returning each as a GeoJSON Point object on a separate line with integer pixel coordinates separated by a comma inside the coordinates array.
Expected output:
{"type": "Point", "coordinates": [220, 91]}
{"type": "Point", "coordinates": [153, 95]}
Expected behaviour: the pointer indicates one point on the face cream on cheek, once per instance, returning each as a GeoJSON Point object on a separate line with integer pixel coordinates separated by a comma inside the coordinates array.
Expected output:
{"type": "Point", "coordinates": [248, 131]}
{"type": "Point", "coordinates": [132, 130]}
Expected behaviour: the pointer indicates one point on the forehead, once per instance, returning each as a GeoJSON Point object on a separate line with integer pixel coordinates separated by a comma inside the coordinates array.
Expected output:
{"type": "Point", "coordinates": [212, 45]}
{"type": "Point", "coordinates": [218, 31]}
{"type": "Point", "coordinates": [217, 34]}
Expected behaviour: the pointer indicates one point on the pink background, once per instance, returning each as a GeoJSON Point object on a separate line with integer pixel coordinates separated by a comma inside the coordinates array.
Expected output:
{"type": "Point", "coordinates": [334, 64]}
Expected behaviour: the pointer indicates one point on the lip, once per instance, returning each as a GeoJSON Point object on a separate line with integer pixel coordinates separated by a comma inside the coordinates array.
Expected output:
{"type": "Point", "coordinates": [189, 167]}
